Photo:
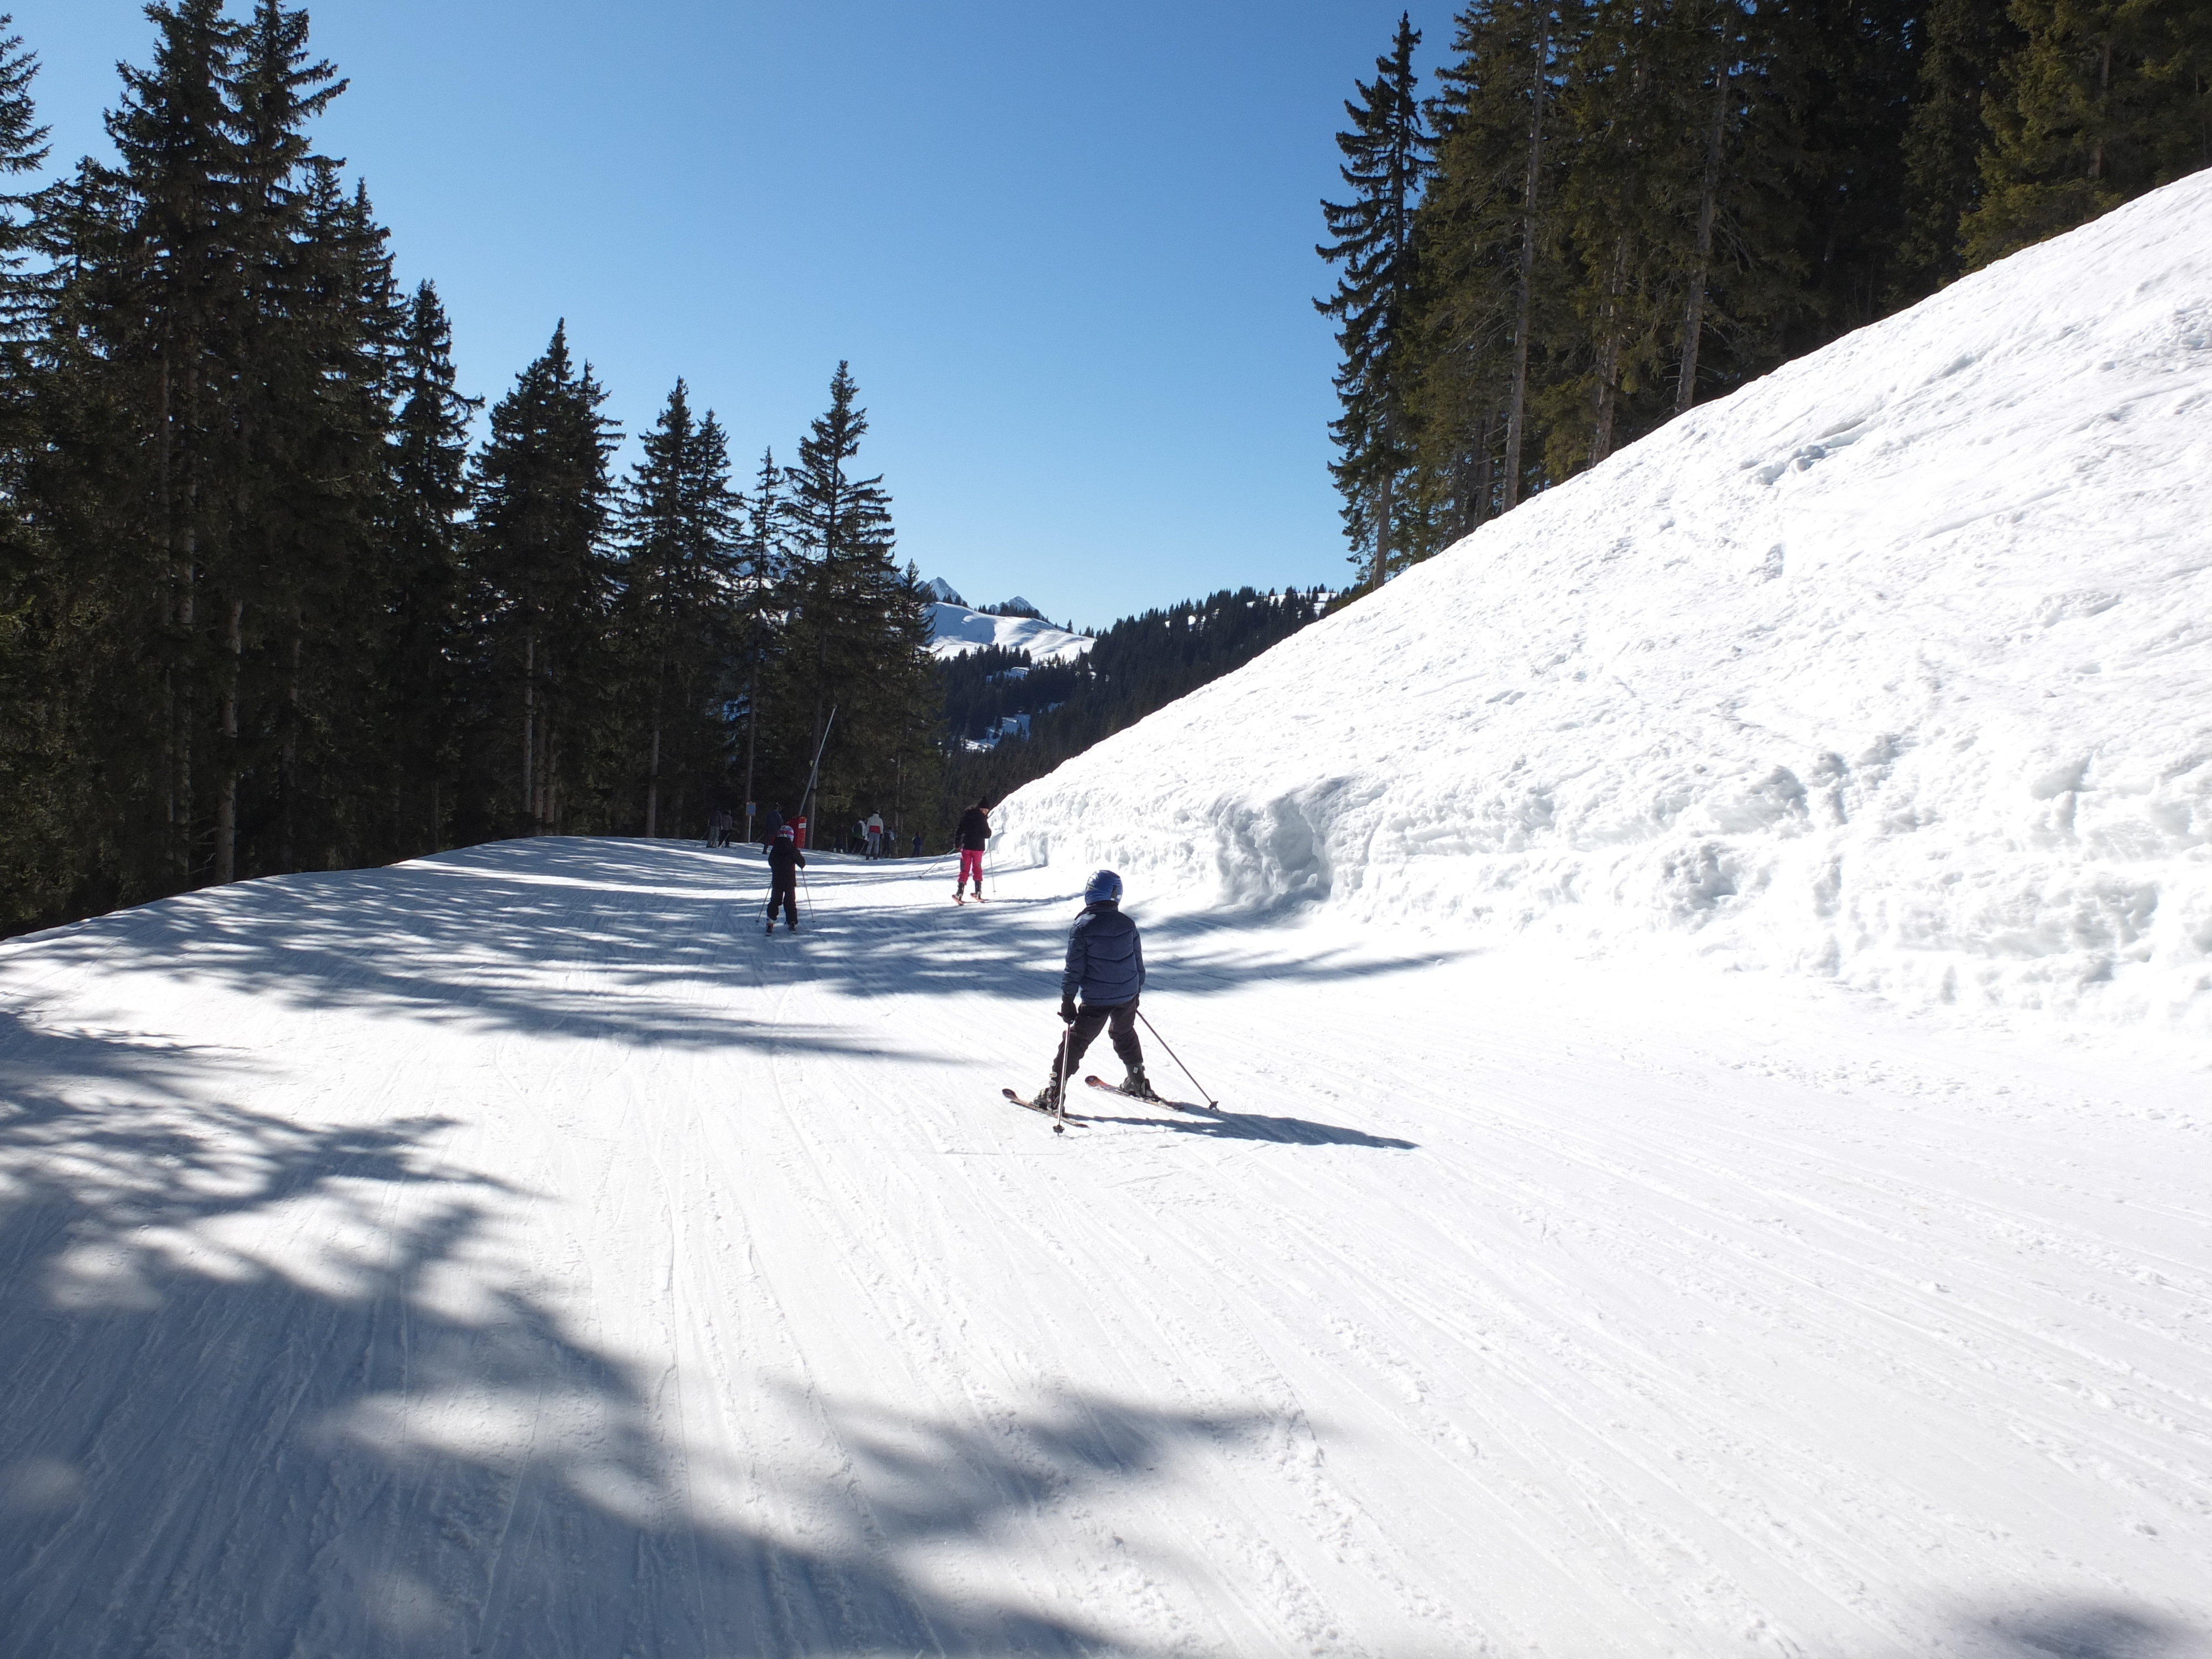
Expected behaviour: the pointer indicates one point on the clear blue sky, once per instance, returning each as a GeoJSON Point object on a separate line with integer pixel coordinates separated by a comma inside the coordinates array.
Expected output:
{"type": "Point", "coordinates": [1067, 249]}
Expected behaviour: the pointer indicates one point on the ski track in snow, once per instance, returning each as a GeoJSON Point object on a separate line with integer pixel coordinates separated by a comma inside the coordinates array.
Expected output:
{"type": "Point", "coordinates": [514, 1253]}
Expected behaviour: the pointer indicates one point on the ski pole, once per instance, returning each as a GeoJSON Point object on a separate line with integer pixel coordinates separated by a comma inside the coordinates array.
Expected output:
{"type": "Point", "coordinates": [806, 888]}
{"type": "Point", "coordinates": [1212, 1103]}
{"type": "Point", "coordinates": [1060, 1098]}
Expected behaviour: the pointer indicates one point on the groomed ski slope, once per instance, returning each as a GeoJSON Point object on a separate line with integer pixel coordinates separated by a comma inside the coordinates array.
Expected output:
{"type": "Point", "coordinates": [1894, 668]}
{"type": "Point", "coordinates": [515, 1254]}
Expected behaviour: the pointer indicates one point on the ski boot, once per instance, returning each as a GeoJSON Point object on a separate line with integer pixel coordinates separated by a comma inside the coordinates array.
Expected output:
{"type": "Point", "coordinates": [1137, 1086]}
{"type": "Point", "coordinates": [1048, 1098]}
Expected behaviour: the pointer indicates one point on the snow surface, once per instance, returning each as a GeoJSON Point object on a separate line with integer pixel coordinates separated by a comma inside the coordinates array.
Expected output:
{"type": "Point", "coordinates": [511, 1253]}
{"type": "Point", "coordinates": [1895, 668]}
{"type": "Point", "coordinates": [955, 630]}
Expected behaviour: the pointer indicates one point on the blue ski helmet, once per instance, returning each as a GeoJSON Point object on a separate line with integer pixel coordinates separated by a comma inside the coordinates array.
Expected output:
{"type": "Point", "coordinates": [1105, 888]}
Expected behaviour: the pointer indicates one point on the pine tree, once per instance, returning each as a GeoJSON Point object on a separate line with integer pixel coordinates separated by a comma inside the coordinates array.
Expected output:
{"type": "Point", "coordinates": [1386, 162]}
{"type": "Point", "coordinates": [543, 579]}
{"type": "Point", "coordinates": [33, 746]}
{"type": "Point", "coordinates": [1840, 83]}
{"type": "Point", "coordinates": [424, 641]}
{"type": "Point", "coordinates": [1963, 42]}
{"type": "Point", "coordinates": [308, 413]}
{"type": "Point", "coordinates": [856, 640]}
{"type": "Point", "coordinates": [2101, 101]}
{"type": "Point", "coordinates": [1493, 279]}
{"type": "Point", "coordinates": [170, 312]}
{"type": "Point", "coordinates": [23, 151]}
{"type": "Point", "coordinates": [1613, 206]}
{"type": "Point", "coordinates": [678, 609]}
{"type": "Point", "coordinates": [761, 583]}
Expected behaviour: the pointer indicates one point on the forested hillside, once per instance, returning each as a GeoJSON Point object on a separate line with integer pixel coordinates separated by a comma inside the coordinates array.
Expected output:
{"type": "Point", "coordinates": [1607, 211]}
{"type": "Point", "coordinates": [1139, 664]}
{"type": "Point", "coordinates": [264, 607]}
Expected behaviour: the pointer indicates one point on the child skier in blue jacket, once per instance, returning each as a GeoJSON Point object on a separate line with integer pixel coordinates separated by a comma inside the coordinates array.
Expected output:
{"type": "Point", "coordinates": [1106, 968]}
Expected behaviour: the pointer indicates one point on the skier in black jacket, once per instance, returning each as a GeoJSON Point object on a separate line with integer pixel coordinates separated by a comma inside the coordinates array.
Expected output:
{"type": "Point", "coordinates": [785, 861]}
{"type": "Point", "coordinates": [1106, 967]}
{"type": "Point", "coordinates": [974, 831]}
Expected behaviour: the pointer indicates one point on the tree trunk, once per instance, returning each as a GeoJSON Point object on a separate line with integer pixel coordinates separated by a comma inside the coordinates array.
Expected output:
{"type": "Point", "coordinates": [752, 733]}
{"type": "Point", "coordinates": [226, 800]}
{"type": "Point", "coordinates": [288, 856]}
{"type": "Point", "coordinates": [530, 730]}
{"type": "Point", "coordinates": [1517, 397]}
{"type": "Point", "coordinates": [1693, 312]}
{"type": "Point", "coordinates": [2103, 94]}
{"type": "Point", "coordinates": [1608, 351]}
{"type": "Point", "coordinates": [1382, 510]}
{"type": "Point", "coordinates": [1484, 480]}
{"type": "Point", "coordinates": [653, 772]}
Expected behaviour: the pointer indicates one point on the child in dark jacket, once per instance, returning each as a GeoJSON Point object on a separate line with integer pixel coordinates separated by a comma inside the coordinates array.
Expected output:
{"type": "Point", "coordinates": [1106, 968]}
{"type": "Point", "coordinates": [785, 861]}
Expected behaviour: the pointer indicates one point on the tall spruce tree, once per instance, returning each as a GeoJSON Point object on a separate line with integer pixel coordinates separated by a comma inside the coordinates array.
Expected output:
{"type": "Point", "coordinates": [856, 634]}
{"type": "Point", "coordinates": [33, 745]}
{"type": "Point", "coordinates": [2101, 101]}
{"type": "Point", "coordinates": [424, 645]}
{"type": "Point", "coordinates": [679, 610]}
{"type": "Point", "coordinates": [1386, 162]}
{"type": "Point", "coordinates": [23, 152]}
{"type": "Point", "coordinates": [542, 581]}
{"type": "Point", "coordinates": [761, 585]}
{"type": "Point", "coordinates": [171, 310]}
{"type": "Point", "coordinates": [1614, 207]}
{"type": "Point", "coordinates": [1490, 241]}
{"type": "Point", "coordinates": [1962, 45]}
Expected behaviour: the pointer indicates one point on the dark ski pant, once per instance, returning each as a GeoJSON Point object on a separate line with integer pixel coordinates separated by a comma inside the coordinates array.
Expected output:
{"type": "Point", "coordinates": [785, 892]}
{"type": "Point", "coordinates": [1121, 1022]}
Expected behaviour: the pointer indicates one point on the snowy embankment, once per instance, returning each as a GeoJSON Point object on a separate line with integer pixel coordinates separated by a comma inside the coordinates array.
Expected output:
{"type": "Point", "coordinates": [955, 630]}
{"type": "Point", "coordinates": [515, 1254]}
{"type": "Point", "coordinates": [1895, 667]}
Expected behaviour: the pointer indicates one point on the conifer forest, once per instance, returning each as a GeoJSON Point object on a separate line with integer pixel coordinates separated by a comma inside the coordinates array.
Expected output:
{"type": "Point", "coordinates": [265, 606]}
{"type": "Point", "coordinates": [1607, 211]}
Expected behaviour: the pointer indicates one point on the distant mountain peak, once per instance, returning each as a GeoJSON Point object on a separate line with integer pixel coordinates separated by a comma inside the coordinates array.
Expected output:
{"type": "Point", "coordinates": [943, 592]}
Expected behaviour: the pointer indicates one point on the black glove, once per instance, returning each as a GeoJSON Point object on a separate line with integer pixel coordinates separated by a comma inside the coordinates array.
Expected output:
{"type": "Point", "coordinates": [1067, 1010]}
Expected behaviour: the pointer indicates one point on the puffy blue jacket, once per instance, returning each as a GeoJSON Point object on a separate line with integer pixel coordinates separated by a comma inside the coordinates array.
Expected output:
{"type": "Point", "coordinates": [1105, 957]}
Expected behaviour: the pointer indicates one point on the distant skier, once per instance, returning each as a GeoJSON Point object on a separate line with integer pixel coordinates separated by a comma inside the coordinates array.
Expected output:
{"type": "Point", "coordinates": [874, 826]}
{"type": "Point", "coordinates": [785, 861]}
{"type": "Point", "coordinates": [771, 824]}
{"type": "Point", "coordinates": [1106, 968]}
{"type": "Point", "coordinates": [974, 831]}
{"type": "Point", "coordinates": [917, 844]}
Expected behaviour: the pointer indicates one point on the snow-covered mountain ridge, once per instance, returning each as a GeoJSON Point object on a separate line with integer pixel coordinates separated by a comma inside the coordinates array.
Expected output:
{"type": "Point", "coordinates": [1894, 667]}
{"type": "Point", "coordinates": [955, 630]}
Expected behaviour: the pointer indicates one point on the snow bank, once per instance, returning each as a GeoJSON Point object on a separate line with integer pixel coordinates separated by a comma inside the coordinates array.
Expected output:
{"type": "Point", "coordinates": [955, 630]}
{"type": "Point", "coordinates": [1896, 666]}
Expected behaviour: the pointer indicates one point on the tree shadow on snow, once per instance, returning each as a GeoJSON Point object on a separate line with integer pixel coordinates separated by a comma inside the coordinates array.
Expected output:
{"type": "Point", "coordinates": [538, 937]}
{"type": "Point", "coordinates": [636, 942]}
{"type": "Point", "coordinates": [2087, 1630]}
{"type": "Point", "coordinates": [231, 1432]}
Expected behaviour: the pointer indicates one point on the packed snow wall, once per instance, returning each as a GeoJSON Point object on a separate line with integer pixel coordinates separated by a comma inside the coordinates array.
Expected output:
{"type": "Point", "coordinates": [1895, 667]}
